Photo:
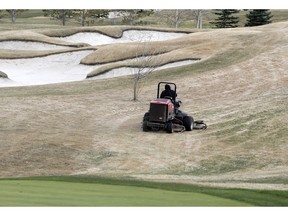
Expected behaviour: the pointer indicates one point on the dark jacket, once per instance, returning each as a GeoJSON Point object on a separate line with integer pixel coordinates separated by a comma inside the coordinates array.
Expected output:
{"type": "Point", "coordinates": [168, 92]}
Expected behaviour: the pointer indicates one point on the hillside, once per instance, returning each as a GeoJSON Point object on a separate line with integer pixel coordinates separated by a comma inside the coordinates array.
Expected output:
{"type": "Point", "coordinates": [93, 127]}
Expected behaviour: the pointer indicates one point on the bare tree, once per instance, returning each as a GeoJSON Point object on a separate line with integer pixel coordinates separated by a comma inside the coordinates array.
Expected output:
{"type": "Point", "coordinates": [146, 60]}
{"type": "Point", "coordinates": [145, 66]}
{"type": "Point", "coordinates": [14, 13]}
{"type": "Point", "coordinates": [198, 18]}
{"type": "Point", "coordinates": [88, 17]}
{"type": "Point", "coordinates": [131, 16]}
{"type": "Point", "coordinates": [174, 17]}
{"type": "Point", "coordinates": [62, 15]}
{"type": "Point", "coordinates": [1, 14]}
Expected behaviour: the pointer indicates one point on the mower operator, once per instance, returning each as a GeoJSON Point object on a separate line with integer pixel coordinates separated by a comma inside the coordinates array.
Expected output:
{"type": "Point", "coordinates": [168, 92]}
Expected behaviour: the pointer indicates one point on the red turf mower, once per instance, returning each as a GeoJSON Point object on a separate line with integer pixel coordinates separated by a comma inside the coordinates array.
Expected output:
{"type": "Point", "coordinates": [164, 113]}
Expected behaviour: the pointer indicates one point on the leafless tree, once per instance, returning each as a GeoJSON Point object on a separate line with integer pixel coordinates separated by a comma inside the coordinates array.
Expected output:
{"type": "Point", "coordinates": [146, 60]}
{"type": "Point", "coordinates": [198, 19]}
{"type": "Point", "coordinates": [130, 16]}
{"type": "Point", "coordinates": [14, 13]}
{"type": "Point", "coordinates": [61, 14]}
{"type": "Point", "coordinates": [174, 17]}
{"type": "Point", "coordinates": [88, 17]}
{"type": "Point", "coordinates": [145, 66]}
{"type": "Point", "coordinates": [2, 14]}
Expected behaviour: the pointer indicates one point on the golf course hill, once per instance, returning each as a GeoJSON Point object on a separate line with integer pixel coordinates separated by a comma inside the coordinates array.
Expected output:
{"type": "Point", "coordinates": [78, 125]}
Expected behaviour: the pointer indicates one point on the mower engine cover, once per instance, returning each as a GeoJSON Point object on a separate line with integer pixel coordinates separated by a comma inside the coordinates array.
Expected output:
{"type": "Point", "coordinates": [161, 110]}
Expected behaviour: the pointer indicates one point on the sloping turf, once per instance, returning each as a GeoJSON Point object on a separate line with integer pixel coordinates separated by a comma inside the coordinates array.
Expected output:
{"type": "Point", "coordinates": [98, 191]}
{"type": "Point", "coordinates": [53, 193]}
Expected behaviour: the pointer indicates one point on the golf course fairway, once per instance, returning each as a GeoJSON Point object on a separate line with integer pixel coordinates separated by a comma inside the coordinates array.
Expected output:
{"type": "Point", "coordinates": [56, 193]}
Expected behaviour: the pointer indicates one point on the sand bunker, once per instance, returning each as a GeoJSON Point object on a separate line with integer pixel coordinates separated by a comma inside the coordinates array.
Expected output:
{"type": "Point", "coordinates": [128, 36]}
{"type": "Point", "coordinates": [28, 45]}
{"type": "Point", "coordinates": [130, 70]}
{"type": "Point", "coordinates": [66, 67]}
{"type": "Point", "coordinates": [45, 70]}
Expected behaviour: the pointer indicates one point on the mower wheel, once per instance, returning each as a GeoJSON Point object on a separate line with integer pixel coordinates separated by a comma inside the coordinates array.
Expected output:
{"type": "Point", "coordinates": [169, 127]}
{"type": "Point", "coordinates": [146, 116]}
{"type": "Point", "coordinates": [188, 123]}
{"type": "Point", "coordinates": [145, 120]}
{"type": "Point", "coordinates": [144, 126]}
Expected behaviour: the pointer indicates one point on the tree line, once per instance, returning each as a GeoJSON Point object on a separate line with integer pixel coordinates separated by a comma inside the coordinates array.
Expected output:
{"type": "Point", "coordinates": [224, 18]}
{"type": "Point", "coordinates": [227, 19]}
{"type": "Point", "coordinates": [84, 17]}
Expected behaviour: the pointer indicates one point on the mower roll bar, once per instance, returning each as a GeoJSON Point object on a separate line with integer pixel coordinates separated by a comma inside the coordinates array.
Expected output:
{"type": "Point", "coordinates": [161, 83]}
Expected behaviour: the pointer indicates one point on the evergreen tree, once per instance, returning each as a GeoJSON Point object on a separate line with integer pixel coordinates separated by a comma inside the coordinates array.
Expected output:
{"type": "Point", "coordinates": [226, 19]}
{"type": "Point", "coordinates": [258, 17]}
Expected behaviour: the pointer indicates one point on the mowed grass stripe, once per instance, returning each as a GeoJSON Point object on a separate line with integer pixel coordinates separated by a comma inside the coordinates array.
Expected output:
{"type": "Point", "coordinates": [53, 193]}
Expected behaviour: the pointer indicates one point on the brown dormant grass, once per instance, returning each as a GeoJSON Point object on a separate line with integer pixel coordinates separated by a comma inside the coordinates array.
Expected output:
{"type": "Point", "coordinates": [93, 127]}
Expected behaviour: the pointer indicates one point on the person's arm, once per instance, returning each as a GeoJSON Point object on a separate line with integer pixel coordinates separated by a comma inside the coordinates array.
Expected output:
{"type": "Point", "coordinates": [162, 95]}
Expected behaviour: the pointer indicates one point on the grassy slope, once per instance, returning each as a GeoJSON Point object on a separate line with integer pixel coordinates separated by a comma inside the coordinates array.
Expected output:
{"type": "Point", "coordinates": [87, 127]}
